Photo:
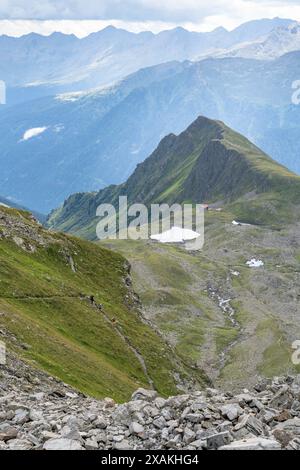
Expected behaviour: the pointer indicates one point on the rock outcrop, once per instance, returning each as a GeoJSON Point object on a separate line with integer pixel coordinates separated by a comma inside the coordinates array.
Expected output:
{"type": "Point", "coordinates": [39, 412]}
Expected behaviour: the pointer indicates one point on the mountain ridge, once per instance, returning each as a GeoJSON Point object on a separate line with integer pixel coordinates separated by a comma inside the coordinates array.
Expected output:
{"type": "Point", "coordinates": [206, 163]}
{"type": "Point", "coordinates": [96, 139]}
{"type": "Point", "coordinates": [34, 65]}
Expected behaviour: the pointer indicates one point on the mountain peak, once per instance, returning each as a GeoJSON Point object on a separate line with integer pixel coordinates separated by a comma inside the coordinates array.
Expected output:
{"type": "Point", "coordinates": [220, 29]}
{"type": "Point", "coordinates": [208, 162]}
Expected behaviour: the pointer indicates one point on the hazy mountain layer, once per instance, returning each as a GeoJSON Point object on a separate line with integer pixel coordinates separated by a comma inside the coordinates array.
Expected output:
{"type": "Point", "coordinates": [53, 147]}
{"type": "Point", "coordinates": [35, 65]}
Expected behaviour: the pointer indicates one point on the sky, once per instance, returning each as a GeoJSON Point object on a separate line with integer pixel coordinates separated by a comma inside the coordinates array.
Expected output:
{"type": "Point", "coordinates": [82, 17]}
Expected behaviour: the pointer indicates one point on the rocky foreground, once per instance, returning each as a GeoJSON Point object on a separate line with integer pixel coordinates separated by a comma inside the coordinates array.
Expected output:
{"type": "Point", "coordinates": [39, 412]}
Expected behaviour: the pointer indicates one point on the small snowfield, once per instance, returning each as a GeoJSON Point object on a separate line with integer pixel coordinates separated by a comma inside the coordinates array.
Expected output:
{"type": "Point", "coordinates": [255, 263]}
{"type": "Point", "coordinates": [175, 235]}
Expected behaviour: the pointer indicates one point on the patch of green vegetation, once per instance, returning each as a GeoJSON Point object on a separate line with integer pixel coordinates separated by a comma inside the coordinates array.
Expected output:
{"type": "Point", "coordinates": [46, 306]}
{"type": "Point", "coordinates": [170, 273]}
{"type": "Point", "coordinates": [270, 209]}
{"type": "Point", "coordinates": [191, 339]}
{"type": "Point", "coordinates": [236, 369]}
{"type": "Point", "coordinates": [224, 337]}
{"type": "Point", "coordinates": [277, 357]}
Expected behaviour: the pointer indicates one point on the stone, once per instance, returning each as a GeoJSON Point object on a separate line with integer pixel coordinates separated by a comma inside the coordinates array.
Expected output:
{"type": "Point", "coordinates": [91, 444]}
{"type": "Point", "coordinates": [63, 419]}
{"type": "Point", "coordinates": [212, 392]}
{"type": "Point", "coordinates": [283, 416]}
{"type": "Point", "coordinates": [100, 423]}
{"type": "Point", "coordinates": [109, 403]}
{"type": "Point", "coordinates": [282, 399]}
{"type": "Point", "coordinates": [71, 433]}
{"type": "Point", "coordinates": [199, 444]}
{"type": "Point", "coordinates": [38, 396]}
{"type": "Point", "coordinates": [252, 424]}
{"type": "Point", "coordinates": [262, 385]}
{"type": "Point", "coordinates": [10, 433]}
{"type": "Point", "coordinates": [294, 444]}
{"type": "Point", "coordinates": [152, 411]}
{"type": "Point", "coordinates": [62, 444]}
{"type": "Point", "coordinates": [21, 416]}
{"type": "Point", "coordinates": [218, 440]}
{"type": "Point", "coordinates": [225, 426]}
{"type": "Point", "coordinates": [160, 402]}
{"type": "Point", "coordinates": [19, 444]}
{"type": "Point", "coordinates": [123, 445]}
{"type": "Point", "coordinates": [268, 416]}
{"type": "Point", "coordinates": [256, 404]}
{"type": "Point", "coordinates": [46, 435]}
{"type": "Point", "coordinates": [194, 418]}
{"type": "Point", "coordinates": [137, 429]}
{"type": "Point", "coordinates": [160, 422]}
{"type": "Point", "coordinates": [284, 437]}
{"type": "Point", "coordinates": [189, 436]}
{"type": "Point", "coordinates": [244, 398]}
{"type": "Point", "coordinates": [231, 411]}
{"type": "Point", "coordinates": [144, 394]}
{"type": "Point", "coordinates": [257, 443]}
{"type": "Point", "coordinates": [35, 415]}
{"type": "Point", "coordinates": [118, 438]}
{"type": "Point", "coordinates": [291, 425]}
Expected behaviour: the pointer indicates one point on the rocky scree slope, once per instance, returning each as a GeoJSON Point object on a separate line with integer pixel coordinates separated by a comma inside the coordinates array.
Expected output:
{"type": "Point", "coordinates": [38, 412]}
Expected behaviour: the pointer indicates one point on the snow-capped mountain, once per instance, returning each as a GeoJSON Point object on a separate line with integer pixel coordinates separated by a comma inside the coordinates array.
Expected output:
{"type": "Point", "coordinates": [278, 42]}
{"type": "Point", "coordinates": [33, 66]}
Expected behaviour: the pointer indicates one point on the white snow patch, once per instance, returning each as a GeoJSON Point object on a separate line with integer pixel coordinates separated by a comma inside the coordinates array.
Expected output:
{"type": "Point", "coordinates": [3, 205]}
{"type": "Point", "coordinates": [176, 235]}
{"type": "Point", "coordinates": [93, 93]}
{"type": "Point", "coordinates": [235, 222]}
{"type": "Point", "coordinates": [70, 97]}
{"type": "Point", "coordinates": [235, 273]}
{"type": "Point", "coordinates": [34, 132]}
{"type": "Point", "coordinates": [255, 263]}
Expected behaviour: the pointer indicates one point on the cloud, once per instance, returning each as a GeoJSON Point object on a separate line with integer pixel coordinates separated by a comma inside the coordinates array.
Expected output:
{"type": "Point", "coordinates": [138, 15]}
{"type": "Point", "coordinates": [129, 10]}
{"type": "Point", "coordinates": [33, 132]}
{"type": "Point", "coordinates": [138, 10]}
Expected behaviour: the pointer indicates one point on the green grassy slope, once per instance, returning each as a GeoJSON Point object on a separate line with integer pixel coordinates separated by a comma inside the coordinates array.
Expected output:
{"type": "Point", "coordinates": [47, 318]}
{"type": "Point", "coordinates": [207, 163]}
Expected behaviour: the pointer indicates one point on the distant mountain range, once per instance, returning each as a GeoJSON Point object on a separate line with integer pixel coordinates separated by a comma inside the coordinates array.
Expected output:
{"type": "Point", "coordinates": [55, 146]}
{"type": "Point", "coordinates": [10, 204]}
{"type": "Point", "coordinates": [278, 42]}
{"type": "Point", "coordinates": [206, 163]}
{"type": "Point", "coordinates": [35, 66]}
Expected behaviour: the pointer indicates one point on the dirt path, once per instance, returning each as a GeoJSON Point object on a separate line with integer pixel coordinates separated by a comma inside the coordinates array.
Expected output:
{"type": "Point", "coordinates": [117, 329]}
